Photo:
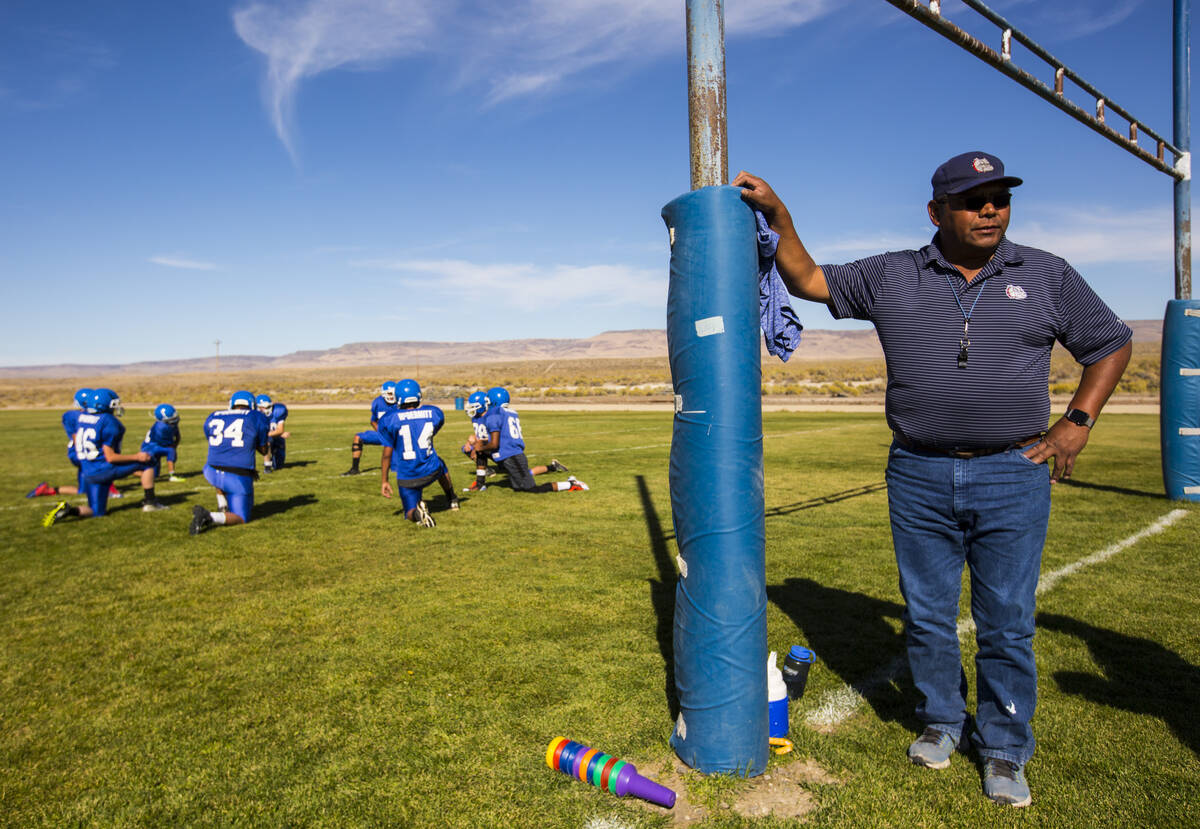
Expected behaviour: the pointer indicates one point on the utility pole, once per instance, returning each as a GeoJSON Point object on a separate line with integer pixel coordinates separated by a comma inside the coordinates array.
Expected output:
{"type": "Point", "coordinates": [217, 343]}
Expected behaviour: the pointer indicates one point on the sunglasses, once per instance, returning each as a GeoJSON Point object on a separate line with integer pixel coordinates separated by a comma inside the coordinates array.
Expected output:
{"type": "Point", "coordinates": [975, 203]}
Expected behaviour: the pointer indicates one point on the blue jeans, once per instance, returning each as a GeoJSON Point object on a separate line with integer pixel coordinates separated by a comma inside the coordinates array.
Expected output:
{"type": "Point", "coordinates": [990, 512]}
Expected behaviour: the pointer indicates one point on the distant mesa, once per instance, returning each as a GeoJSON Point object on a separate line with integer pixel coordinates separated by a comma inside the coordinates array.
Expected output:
{"type": "Point", "coordinates": [818, 344]}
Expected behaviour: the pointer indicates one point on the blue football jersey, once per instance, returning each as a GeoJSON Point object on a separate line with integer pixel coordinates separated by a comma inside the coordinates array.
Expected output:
{"type": "Point", "coordinates": [380, 407]}
{"type": "Point", "coordinates": [277, 415]}
{"type": "Point", "coordinates": [508, 424]}
{"type": "Point", "coordinates": [161, 434]}
{"type": "Point", "coordinates": [479, 424]}
{"type": "Point", "coordinates": [70, 420]}
{"type": "Point", "coordinates": [234, 435]}
{"type": "Point", "coordinates": [92, 433]}
{"type": "Point", "coordinates": [410, 434]}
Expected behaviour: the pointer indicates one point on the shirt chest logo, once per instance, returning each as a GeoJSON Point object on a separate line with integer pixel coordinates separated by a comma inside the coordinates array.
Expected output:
{"type": "Point", "coordinates": [1015, 292]}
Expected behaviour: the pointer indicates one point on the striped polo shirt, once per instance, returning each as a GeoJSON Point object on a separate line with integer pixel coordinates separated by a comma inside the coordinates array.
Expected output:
{"type": "Point", "coordinates": [1023, 300]}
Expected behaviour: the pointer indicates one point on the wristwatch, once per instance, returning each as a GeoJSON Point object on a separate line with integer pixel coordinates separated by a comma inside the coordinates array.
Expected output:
{"type": "Point", "coordinates": [1080, 418]}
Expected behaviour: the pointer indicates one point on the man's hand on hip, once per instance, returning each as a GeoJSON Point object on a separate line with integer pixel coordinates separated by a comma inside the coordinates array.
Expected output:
{"type": "Point", "coordinates": [1063, 442]}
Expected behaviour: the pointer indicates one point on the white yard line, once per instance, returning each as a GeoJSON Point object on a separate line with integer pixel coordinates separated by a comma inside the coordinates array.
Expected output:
{"type": "Point", "coordinates": [837, 705]}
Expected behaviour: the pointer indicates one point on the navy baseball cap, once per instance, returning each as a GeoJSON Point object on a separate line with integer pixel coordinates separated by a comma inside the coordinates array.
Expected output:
{"type": "Point", "coordinates": [968, 170]}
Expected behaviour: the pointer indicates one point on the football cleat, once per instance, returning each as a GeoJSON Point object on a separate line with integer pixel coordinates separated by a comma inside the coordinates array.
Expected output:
{"type": "Point", "coordinates": [113, 492]}
{"type": "Point", "coordinates": [154, 506]}
{"type": "Point", "coordinates": [201, 520]}
{"type": "Point", "coordinates": [556, 466]}
{"type": "Point", "coordinates": [576, 484]}
{"type": "Point", "coordinates": [173, 478]}
{"type": "Point", "coordinates": [59, 512]}
{"type": "Point", "coordinates": [424, 519]}
{"type": "Point", "coordinates": [268, 466]}
{"type": "Point", "coordinates": [40, 489]}
{"type": "Point", "coordinates": [476, 404]}
{"type": "Point", "coordinates": [354, 470]}
{"type": "Point", "coordinates": [454, 504]}
{"type": "Point", "coordinates": [475, 486]}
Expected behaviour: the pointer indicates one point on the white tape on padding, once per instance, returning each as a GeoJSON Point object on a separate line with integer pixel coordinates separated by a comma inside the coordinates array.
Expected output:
{"type": "Point", "coordinates": [1188, 431]}
{"type": "Point", "coordinates": [1191, 312]}
{"type": "Point", "coordinates": [682, 566]}
{"type": "Point", "coordinates": [1189, 372]}
{"type": "Point", "coordinates": [1191, 490]}
{"type": "Point", "coordinates": [709, 326]}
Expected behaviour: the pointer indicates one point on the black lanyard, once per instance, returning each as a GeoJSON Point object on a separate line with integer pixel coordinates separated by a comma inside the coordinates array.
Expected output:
{"type": "Point", "coordinates": [965, 342]}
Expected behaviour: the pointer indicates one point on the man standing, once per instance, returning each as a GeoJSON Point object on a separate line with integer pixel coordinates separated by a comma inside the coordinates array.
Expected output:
{"type": "Point", "coordinates": [967, 324]}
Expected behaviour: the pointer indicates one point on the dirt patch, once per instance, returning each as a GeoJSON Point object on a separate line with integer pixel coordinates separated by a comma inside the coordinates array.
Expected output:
{"type": "Point", "coordinates": [784, 792]}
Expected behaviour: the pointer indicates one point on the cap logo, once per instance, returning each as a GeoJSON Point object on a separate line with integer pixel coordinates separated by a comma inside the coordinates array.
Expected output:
{"type": "Point", "coordinates": [1015, 292]}
{"type": "Point", "coordinates": [982, 165]}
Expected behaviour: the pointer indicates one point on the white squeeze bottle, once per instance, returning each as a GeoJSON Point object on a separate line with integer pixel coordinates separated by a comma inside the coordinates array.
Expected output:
{"type": "Point", "coordinates": [777, 699]}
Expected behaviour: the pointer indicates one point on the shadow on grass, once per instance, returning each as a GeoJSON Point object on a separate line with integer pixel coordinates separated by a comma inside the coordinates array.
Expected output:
{"type": "Point", "coordinates": [851, 636]}
{"type": "Point", "coordinates": [818, 501]}
{"type": "Point", "coordinates": [290, 464]}
{"type": "Point", "coordinates": [268, 508]}
{"type": "Point", "coordinates": [1119, 490]}
{"type": "Point", "coordinates": [662, 595]}
{"type": "Point", "coordinates": [1139, 675]}
{"type": "Point", "coordinates": [822, 500]}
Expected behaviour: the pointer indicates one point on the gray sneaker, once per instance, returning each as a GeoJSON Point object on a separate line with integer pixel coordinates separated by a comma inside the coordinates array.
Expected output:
{"type": "Point", "coordinates": [932, 749]}
{"type": "Point", "coordinates": [557, 466]}
{"type": "Point", "coordinates": [1004, 782]}
{"type": "Point", "coordinates": [154, 506]}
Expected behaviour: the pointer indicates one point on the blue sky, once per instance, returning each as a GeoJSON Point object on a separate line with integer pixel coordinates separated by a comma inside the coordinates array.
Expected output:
{"type": "Point", "coordinates": [303, 174]}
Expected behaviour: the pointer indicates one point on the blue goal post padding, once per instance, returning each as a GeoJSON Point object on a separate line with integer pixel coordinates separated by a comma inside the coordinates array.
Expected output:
{"type": "Point", "coordinates": [720, 630]}
{"type": "Point", "coordinates": [1180, 399]}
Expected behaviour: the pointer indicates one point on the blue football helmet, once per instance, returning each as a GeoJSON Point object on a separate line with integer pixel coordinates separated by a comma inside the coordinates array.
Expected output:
{"type": "Point", "coordinates": [389, 392]}
{"type": "Point", "coordinates": [264, 403]}
{"type": "Point", "coordinates": [476, 403]}
{"type": "Point", "coordinates": [241, 398]}
{"type": "Point", "coordinates": [408, 391]}
{"type": "Point", "coordinates": [81, 398]}
{"type": "Point", "coordinates": [105, 400]}
{"type": "Point", "coordinates": [166, 413]}
{"type": "Point", "coordinates": [498, 396]}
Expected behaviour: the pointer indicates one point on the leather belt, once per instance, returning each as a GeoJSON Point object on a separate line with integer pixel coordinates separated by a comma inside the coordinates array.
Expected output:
{"type": "Point", "coordinates": [965, 451]}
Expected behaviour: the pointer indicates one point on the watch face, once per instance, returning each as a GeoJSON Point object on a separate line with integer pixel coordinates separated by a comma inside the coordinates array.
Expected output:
{"type": "Point", "coordinates": [1078, 417]}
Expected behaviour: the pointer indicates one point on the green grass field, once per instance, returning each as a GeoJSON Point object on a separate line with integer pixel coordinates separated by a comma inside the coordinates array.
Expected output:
{"type": "Point", "coordinates": [332, 665]}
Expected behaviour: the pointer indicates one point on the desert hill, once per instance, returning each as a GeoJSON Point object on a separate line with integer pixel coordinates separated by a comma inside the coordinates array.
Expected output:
{"type": "Point", "coordinates": [817, 344]}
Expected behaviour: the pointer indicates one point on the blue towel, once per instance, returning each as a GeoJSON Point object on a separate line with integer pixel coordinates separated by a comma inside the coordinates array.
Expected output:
{"type": "Point", "coordinates": [781, 327]}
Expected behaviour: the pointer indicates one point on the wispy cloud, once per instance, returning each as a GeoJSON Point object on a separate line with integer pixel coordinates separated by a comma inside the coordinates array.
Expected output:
{"type": "Point", "coordinates": [180, 262]}
{"type": "Point", "coordinates": [527, 287]}
{"type": "Point", "coordinates": [1082, 237]}
{"type": "Point", "coordinates": [1087, 237]}
{"type": "Point", "coordinates": [305, 39]}
{"type": "Point", "coordinates": [1065, 19]}
{"type": "Point", "coordinates": [500, 50]}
